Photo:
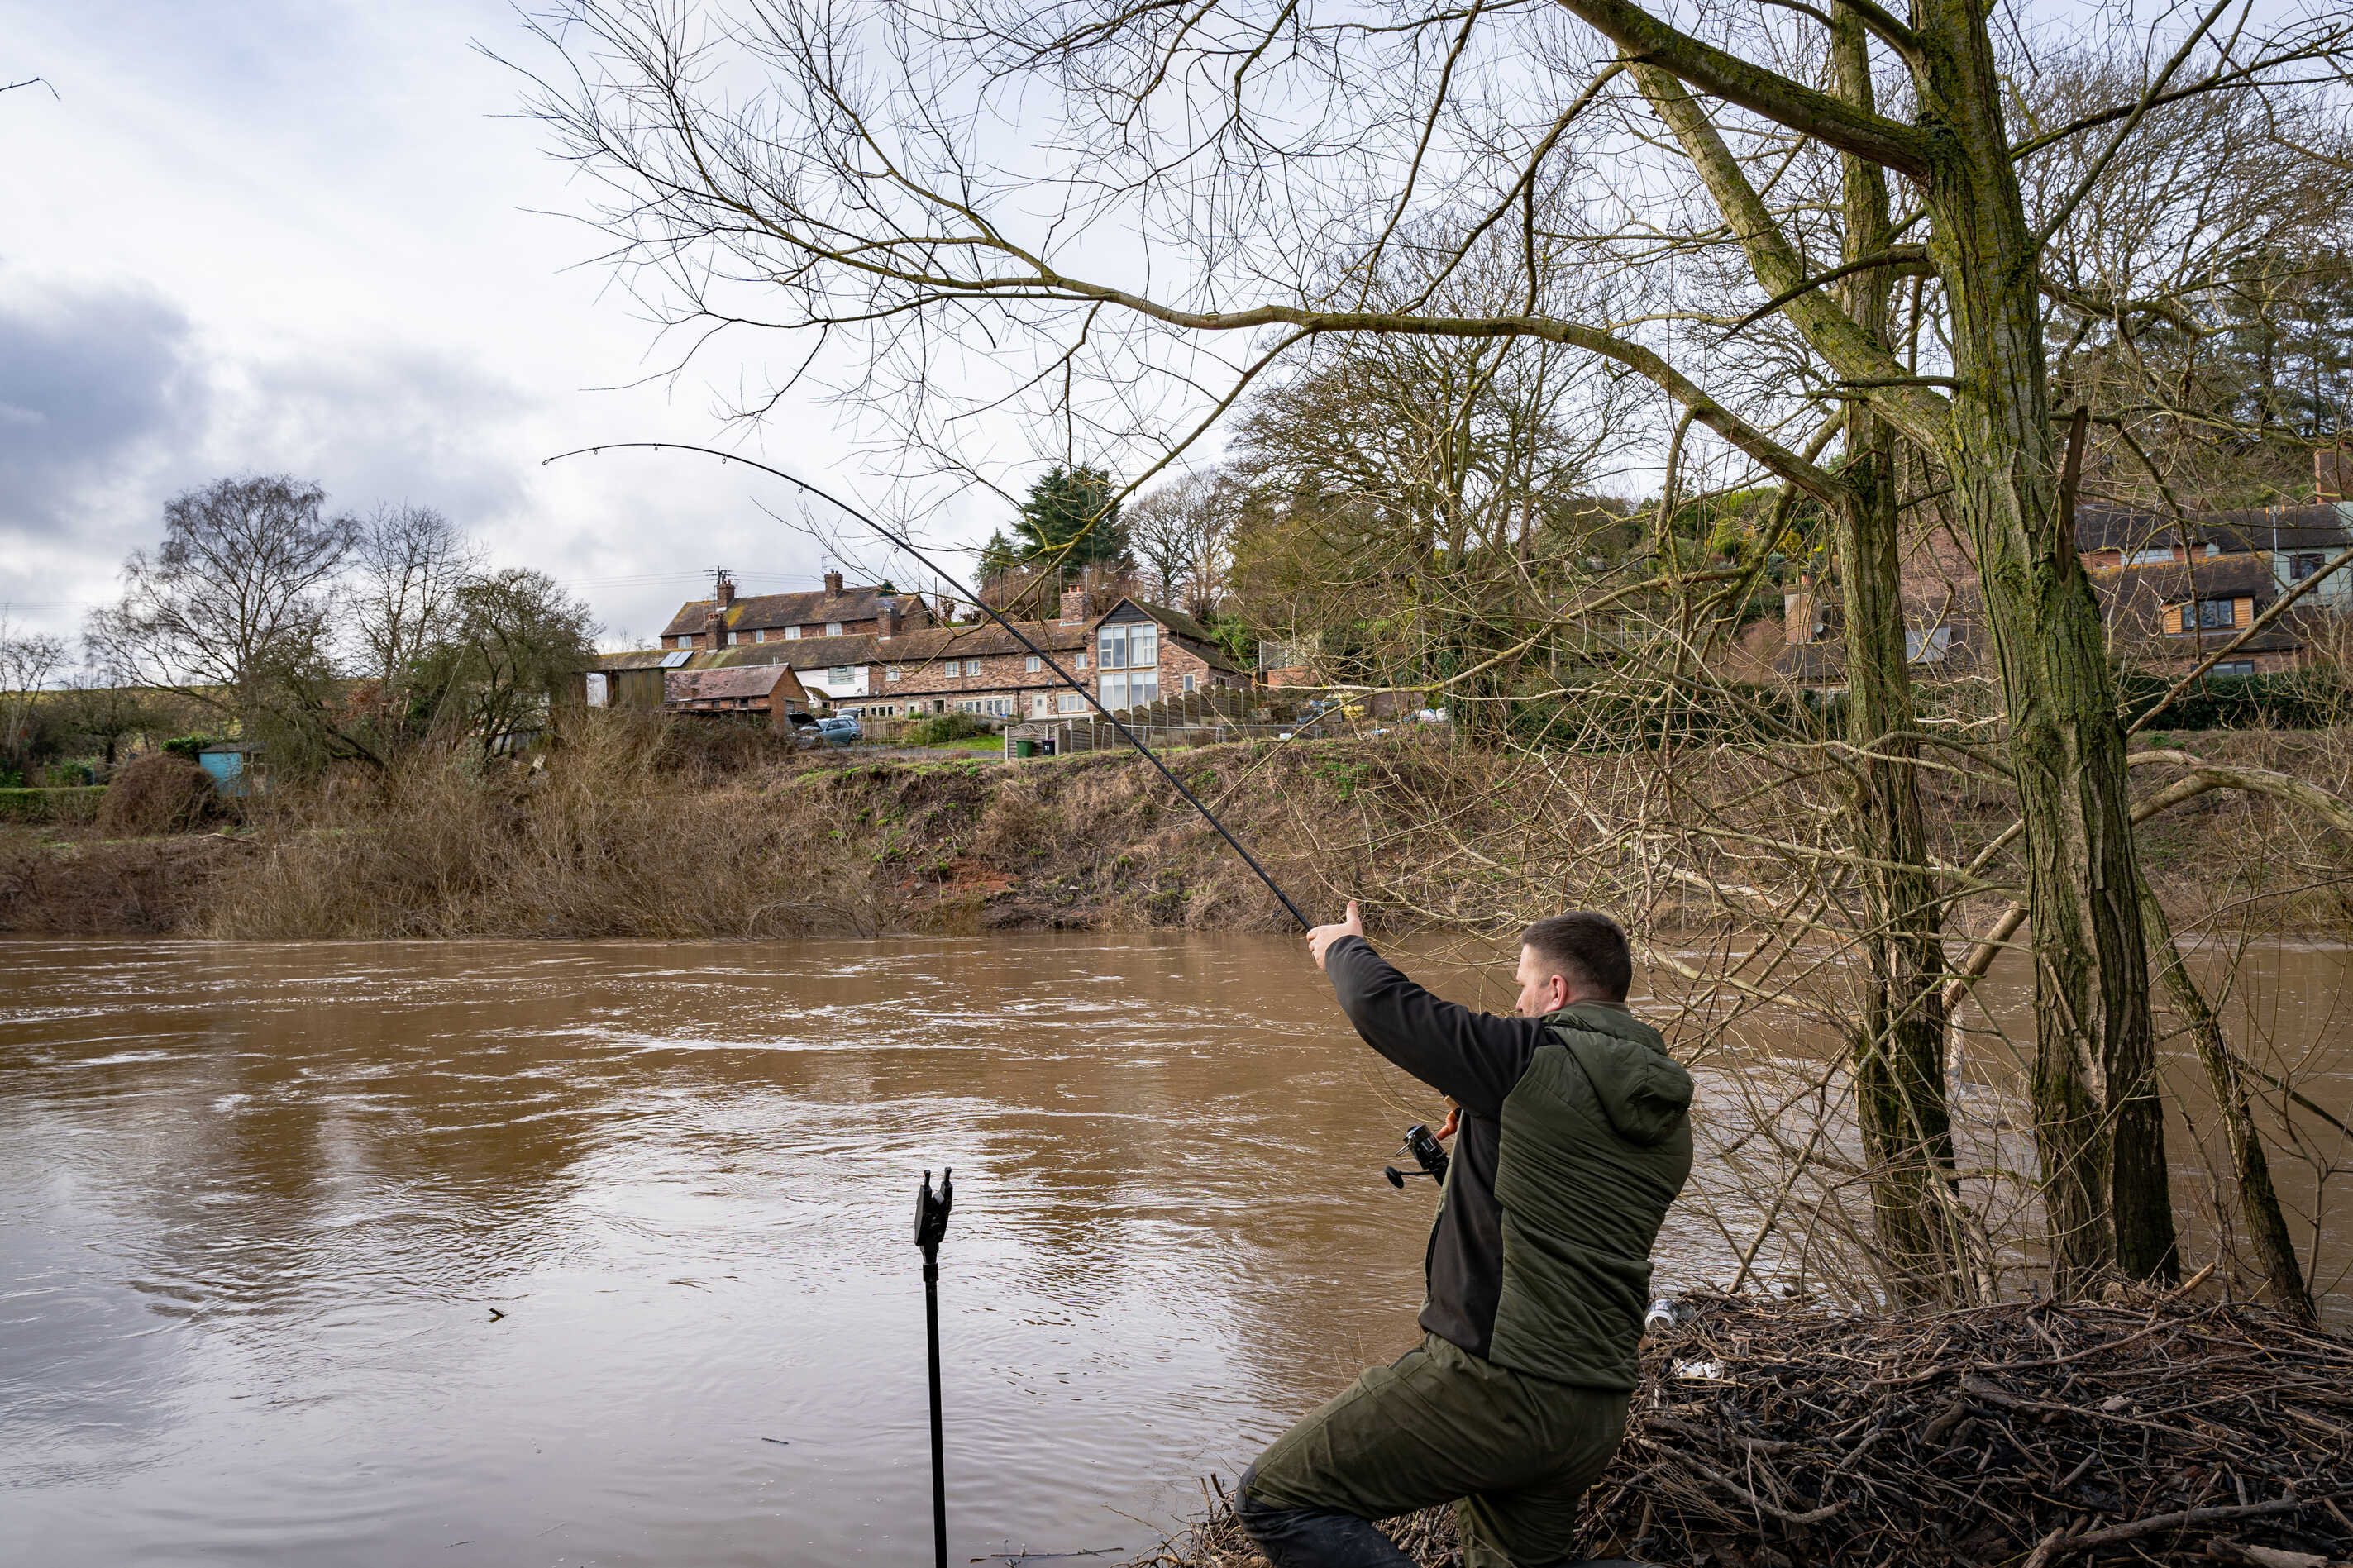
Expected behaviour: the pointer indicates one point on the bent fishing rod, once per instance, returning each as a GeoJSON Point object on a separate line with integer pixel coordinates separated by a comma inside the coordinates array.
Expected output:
{"type": "Point", "coordinates": [902, 542]}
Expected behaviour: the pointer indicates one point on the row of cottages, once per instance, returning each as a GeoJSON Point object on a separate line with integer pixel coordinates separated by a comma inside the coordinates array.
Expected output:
{"type": "Point", "coordinates": [2172, 590]}
{"type": "Point", "coordinates": [906, 662]}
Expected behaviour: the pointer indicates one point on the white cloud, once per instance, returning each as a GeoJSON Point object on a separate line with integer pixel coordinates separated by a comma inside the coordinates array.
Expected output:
{"type": "Point", "coordinates": [314, 240]}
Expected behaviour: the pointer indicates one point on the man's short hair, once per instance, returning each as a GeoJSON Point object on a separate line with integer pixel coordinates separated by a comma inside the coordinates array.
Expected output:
{"type": "Point", "coordinates": [1587, 947]}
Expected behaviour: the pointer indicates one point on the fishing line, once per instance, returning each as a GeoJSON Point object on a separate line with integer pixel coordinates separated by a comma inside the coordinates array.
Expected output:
{"type": "Point", "coordinates": [1018, 636]}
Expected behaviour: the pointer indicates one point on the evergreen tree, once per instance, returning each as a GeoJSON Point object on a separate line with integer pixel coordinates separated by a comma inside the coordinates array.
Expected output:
{"type": "Point", "coordinates": [1070, 519]}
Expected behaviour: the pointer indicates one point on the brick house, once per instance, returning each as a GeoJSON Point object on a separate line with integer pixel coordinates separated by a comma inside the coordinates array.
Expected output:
{"type": "Point", "coordinates": [728, 620]}
{"type": "Point", "coordinates": [2170, 589]}
{"type": "Point", "coordinates": [1129, 654]}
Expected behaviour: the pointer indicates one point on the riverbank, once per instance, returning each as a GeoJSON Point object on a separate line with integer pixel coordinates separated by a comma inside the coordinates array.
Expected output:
{"type": "Point", "coordinates": [620, 832]}
{"type": "Point", "coordinates": [1771, 1433]}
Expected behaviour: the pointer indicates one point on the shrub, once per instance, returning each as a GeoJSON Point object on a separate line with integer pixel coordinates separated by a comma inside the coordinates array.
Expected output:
{"type": "Point", "coordinates": [940, 729]}
{"type": "Point", "coordinates": [158, 794]}
{"type": "Point", "coordinates": [18, 805]}
{"type": "Point", "coordinates": [186, 747]}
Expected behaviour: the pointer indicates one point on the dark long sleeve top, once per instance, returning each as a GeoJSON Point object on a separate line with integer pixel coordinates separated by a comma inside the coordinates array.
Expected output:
{"type": "Point", "coordinates": [1474, 1058]}
{"type": "Point", "coordinates": [1477, 1059]}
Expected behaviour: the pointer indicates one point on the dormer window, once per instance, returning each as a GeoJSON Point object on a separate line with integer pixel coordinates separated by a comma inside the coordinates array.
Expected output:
{"type": "Point", "coordinates": [833, 628]}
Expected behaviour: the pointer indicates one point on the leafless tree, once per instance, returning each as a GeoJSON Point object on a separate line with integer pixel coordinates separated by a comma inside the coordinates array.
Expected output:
{"type": "Point", "coordinates": [1179, 533]}
{"type": "Point", "coordinates": [408, 565]}
{"type": "Point", "coordinates": [28, 662]}
{"type": "Point", "coordinates": [1808, 231]}
{"type": "Point", "coordinates": [239, 590]}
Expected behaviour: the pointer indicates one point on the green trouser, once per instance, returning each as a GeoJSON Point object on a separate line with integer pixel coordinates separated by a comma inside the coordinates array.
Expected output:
{"type": "Point", "coordinates": [1513, 1453]}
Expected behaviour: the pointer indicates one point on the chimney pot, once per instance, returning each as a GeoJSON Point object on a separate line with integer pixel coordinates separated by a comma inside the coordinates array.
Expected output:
{"type": "Point", "coordinates": [1074, 606]}
{"type": "Point", "coordinates": [833, 585]}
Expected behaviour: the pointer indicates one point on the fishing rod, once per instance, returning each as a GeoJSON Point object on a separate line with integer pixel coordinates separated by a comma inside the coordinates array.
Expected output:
{"type": "Point", "coordinates": [902, 542]}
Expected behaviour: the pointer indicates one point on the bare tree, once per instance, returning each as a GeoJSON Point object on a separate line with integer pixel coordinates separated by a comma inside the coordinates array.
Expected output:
{"type": "Point", "coordinates": [239, 593]}
{"type": "Point", "coordinates": [1816, 231]}
{"type": "Point", "coordinates": [408, 563]}
{"type": "Point", "coordinates": [516, 643]}
{"type": "Point", "coordinates": [28, 662]}
{"type": "Point", "coordinates": [1179, 531]}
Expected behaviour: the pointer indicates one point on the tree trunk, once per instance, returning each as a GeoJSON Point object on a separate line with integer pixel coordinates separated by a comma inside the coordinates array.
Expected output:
{"type": "Point", "coordinates": [1899, 1047]}
{"type": "Point", "coordinates": [2258, 1200]}
{"type": "Point", "coordinates": [2105, 1191]}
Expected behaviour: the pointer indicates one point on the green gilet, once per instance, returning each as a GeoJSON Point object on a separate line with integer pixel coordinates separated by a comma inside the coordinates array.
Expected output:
{"type": "Point", "coordinates": [1596, 1143]}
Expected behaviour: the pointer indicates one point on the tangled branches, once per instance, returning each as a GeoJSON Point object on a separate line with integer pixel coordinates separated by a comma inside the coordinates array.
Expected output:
{"type": "Point", "coordinates": [1772, 1433]}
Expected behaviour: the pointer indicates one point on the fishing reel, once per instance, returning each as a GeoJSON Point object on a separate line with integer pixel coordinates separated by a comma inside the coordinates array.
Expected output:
{"type": "Point", "coordinates": [1427, 1153]}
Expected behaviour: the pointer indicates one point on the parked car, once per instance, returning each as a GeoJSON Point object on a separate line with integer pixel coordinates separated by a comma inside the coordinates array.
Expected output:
{"type": "Point", "coordinates": [838, 732]}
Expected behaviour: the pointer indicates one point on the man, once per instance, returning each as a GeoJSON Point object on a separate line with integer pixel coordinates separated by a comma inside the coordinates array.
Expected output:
{"type": "Point", "coordinates": [1573, 1136]}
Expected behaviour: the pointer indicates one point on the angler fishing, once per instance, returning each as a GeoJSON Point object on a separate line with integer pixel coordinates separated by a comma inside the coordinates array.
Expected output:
{"type": "Point", "coordinates": [1572, 1136]}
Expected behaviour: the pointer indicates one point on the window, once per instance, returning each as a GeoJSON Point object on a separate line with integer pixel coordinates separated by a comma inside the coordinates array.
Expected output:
{"type": "Point", "coordinates": [837, 676]}
{"type": "Point", "coordinates": [833, 628]}
{"type": "Point", "coordinates": [1133, 646]}
{"type": "Point", "coordinates": [1929, 647]}
{"type": "Point", "coordinates": [1129, 690]}
{"type": "Point", "coordinates": [1082, 661]}
{"type": "Point", "coordinates": [792, 634]}
{"type": "Point", "coordinates": [892, 673]}
{"type": "Point", "coordinates": [1030, 664]}
{"type": "Point", "coordinates": [2300, 566]}
{"type": "Point", "coordinates": [2148, 557]}
{"type": "Point", "coordinates": [760, 636]}
{"type": "Point", "coordinates": [1188, 686]}
{"type": "Point", "coordinates": [1069, 702]}
{"type": "Point", "coordinates": [972, 667]}
{"type": "Point", "coordinates": [595, 690]}
{"type": "Point", "coordinates": [2234, 666]}
{"type": "Point", "coordinates": [2213, 613]}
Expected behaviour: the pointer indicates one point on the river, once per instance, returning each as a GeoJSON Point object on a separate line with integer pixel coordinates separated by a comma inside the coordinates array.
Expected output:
{"type": "Point", "coordinates": [536, 1253]}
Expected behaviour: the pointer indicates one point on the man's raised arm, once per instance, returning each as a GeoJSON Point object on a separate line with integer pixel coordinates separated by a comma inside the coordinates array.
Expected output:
{"type": "Point", "coordinates": [1476, 1057]}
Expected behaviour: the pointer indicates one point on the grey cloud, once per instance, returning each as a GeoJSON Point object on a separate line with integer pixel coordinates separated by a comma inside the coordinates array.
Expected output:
{"type": "Point", "coordinates": [91, 381]}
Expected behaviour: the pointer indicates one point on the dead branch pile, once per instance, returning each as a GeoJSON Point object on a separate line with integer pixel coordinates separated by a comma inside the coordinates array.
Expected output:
{"type": "Point", "coordinates": [1775, 1433]}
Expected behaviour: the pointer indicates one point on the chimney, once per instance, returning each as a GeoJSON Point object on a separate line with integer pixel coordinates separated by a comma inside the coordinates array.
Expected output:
{"type": "Point", "coordinates": [714, 626]}
{"type": "Point", "coordinates": [1798, 613]}
{"type": "Point", "coordinates": [1074, 606]}
{"type": "Point", "coordinates": [726, 590]}
{"type": "Point", "coordinates": [2331, 466]}
{"type": "Point", "coordinates": [833, 585]}
{"type": "Point", "coordinates": [889, 617]}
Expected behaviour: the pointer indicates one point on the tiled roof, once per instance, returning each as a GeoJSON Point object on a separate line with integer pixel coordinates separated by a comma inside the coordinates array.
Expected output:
{"type": "Point", "coordinates": [811, 608]}
{"type": "Point", "coordinates": [708, 685]}
{"type": "Point", "coordinates": [2207, 577]}
{"type": "Point", "coordinates": [632, 658]}
{"type": "Point", "coordinates": [2312, 526]}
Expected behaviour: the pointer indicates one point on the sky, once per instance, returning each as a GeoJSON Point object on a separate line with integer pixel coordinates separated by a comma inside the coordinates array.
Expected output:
{"type": "Point", "coordinates": [313, 239]}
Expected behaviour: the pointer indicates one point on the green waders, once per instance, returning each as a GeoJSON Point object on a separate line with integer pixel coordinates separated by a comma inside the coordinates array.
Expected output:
{"type": "Point", "coordinates": [1513, 1453]}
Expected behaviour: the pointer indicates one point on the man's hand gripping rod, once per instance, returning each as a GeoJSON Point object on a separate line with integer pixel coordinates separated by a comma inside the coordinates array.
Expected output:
{"type": "Point", "coordinates": [1125, 733]}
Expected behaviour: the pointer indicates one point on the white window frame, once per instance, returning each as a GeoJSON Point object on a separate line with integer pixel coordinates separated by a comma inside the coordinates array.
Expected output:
{"type": "Point", "coordinates": [891, 674]}
{"type": "Point", "coordinates": [792, 634]}
{"type": "Point", "coordinates": [833, 628]}
{"type": "Point", "coordinates": [1030, 664]}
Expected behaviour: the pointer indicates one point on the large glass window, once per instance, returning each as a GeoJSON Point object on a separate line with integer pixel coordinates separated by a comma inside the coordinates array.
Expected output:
{"type": "Point", "coordinates": [2214, 613]}
{"type": "Point", "coordinates": [1069, 702]}
{"type": "Point", "coordinates": [1133, 646]}
{"type": "Point", "coordinates": [1128, 688]}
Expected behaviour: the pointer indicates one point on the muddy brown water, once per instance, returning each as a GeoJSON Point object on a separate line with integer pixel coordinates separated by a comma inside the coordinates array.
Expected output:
{"type": "Point", "coordinates": [530, 1252]}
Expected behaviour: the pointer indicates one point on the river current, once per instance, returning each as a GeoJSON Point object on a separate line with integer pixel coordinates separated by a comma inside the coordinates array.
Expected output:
{"type": "Point", "coordinates": [544, 1254]}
